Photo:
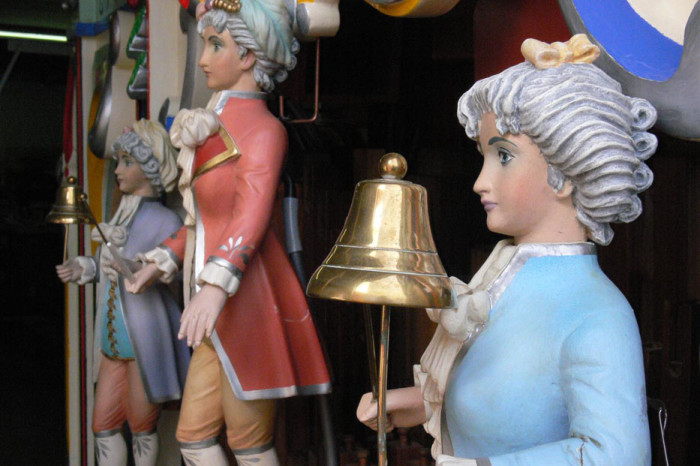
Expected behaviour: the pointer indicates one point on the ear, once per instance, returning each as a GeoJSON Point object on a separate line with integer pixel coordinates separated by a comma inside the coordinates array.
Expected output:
{"type": "Point", "coordinates": [248, 61]}
{"type": "Point", "coordinates": [566, 191]}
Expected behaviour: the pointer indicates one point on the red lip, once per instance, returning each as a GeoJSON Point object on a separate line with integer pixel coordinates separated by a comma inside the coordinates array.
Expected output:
{"type": "Point", "coordinates": [488, 205]}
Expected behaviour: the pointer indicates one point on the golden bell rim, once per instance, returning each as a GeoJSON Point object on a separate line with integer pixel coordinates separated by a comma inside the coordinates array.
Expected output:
{"type": "Point", "coordinates": [382, 288]}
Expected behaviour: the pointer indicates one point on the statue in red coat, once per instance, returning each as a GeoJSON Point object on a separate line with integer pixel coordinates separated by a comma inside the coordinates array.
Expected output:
{"type": "Point", "coordinates": [246, 317]}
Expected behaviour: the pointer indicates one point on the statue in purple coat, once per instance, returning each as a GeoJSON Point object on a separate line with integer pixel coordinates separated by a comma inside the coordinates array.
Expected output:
{"type": "Point", "coordinates": [142, 364]}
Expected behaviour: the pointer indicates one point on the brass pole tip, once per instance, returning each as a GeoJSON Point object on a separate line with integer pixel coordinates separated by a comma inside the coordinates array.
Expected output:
{"type": "Point", "coordinates": [393, 166]}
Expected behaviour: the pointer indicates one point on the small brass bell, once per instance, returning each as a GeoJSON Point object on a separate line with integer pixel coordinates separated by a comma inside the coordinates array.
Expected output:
{"type": "Point", "coordinates": [70, 206]}
{"type": "Point", "coordinates": [385, 253]}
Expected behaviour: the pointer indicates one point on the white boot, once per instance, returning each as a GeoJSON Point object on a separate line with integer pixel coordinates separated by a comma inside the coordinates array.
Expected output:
{"type": "Point", "coordinates": [265, 458]}
{"type": "Point", "coordinates": [110, 448]}
{"type": "Point", "coordinates": [212, 455]}
{"type": "Point", "coordinates": [145, 448]}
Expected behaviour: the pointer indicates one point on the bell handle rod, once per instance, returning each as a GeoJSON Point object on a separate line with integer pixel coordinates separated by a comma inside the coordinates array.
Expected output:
{"type": "Point", "coordinates": [65, 243]}
{"type": "Point", "coordinates": [371, 349]}
{"type": "Point", "coordinates": [381, 402]}
{"type": "Point", "coordinates": [124, 268]}
{"type": "Point", "coordinates": [93, 220]}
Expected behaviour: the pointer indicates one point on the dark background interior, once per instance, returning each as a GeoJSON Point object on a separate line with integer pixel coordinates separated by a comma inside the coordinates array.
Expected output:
{"type": "Point", "coordinates": [386, 85]}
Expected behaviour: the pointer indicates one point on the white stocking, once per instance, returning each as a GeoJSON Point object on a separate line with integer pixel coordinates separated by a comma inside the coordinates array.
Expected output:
{"type": "Point", "coordinates": [266, 458]}
{"type": "Point", "coordinates": [110, 448]}
{"type": "Point", "coordinates": [209, 456]}
{"type": "Point", "coordinates": [145, 448]}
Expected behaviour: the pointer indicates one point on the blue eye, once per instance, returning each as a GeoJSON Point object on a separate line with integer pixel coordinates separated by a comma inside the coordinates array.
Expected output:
{"type": "Point", "coordinates": [504, 156]}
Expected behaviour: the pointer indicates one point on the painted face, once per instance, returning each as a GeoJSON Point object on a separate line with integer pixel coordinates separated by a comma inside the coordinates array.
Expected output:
{"type": "Point", "coordinates": [220, 61]}
{"type": "Point", "coordinates": [130, 177]}
{"type": "Point", "coordinates": [513, 185]}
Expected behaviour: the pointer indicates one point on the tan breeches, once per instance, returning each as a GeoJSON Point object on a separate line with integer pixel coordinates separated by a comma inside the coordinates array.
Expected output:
{"type": "Point", "coordinates": [208, 402]}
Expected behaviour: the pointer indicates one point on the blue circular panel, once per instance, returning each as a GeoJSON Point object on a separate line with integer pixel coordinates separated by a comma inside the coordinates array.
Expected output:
{"type": "Point", "coordinates": [629, 39]}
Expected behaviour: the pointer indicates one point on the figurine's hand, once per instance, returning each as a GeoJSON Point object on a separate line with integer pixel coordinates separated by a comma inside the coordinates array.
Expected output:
{"type": "Point", "coordinates": [447, 460]}
{"type": "Point", "coordinates": [368, 413]}
{"type": "Point", "coordinates": [200, 315]}
{"type": "Point", "coordinates": [404, 407]}
{"type": "Point", "coordinates": [143, 278]}
{"type": "Point", "coordinates": [69, 271]}
{"type": "Point", "coordinates": [134, 266]}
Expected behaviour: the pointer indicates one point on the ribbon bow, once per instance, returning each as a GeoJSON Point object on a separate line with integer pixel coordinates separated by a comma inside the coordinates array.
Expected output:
{"type": "Point", "coordinates": [578, 49]}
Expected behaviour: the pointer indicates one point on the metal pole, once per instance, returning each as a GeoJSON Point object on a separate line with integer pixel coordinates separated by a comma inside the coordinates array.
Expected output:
{"type": "Point", "coordinates": [383, 369]}
{"type": "Point", "coordinates": [65, 243]}
{"type": "Point", "coordinates": [371, 349]}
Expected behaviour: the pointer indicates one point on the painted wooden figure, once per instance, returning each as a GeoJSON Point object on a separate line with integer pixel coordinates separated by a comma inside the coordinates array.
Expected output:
{"type": "Point", "coordinates": [248, 321]}
{"type": "Point", "coordinates": [541, 363]}
{"type": "Point", "coordinates": [141, 362]}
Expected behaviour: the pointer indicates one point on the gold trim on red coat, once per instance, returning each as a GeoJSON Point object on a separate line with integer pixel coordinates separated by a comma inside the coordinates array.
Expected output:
{"type": "Point", "coordinates": [231, 152]}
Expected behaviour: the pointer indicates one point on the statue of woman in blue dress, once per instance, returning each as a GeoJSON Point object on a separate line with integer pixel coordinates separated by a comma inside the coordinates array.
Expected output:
{"type": "Point", "coordinates": [541, 363]}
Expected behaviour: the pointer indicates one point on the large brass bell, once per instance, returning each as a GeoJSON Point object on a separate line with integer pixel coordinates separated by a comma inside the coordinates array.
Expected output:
{"type": "Point", "coordinates": [385, 253]}
{"type": "Point", "coordinates": [69, 206]}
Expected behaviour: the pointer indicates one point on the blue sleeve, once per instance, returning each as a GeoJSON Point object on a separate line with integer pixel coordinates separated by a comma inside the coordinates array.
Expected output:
{"type": "Point", "coordinates": [602, 378]}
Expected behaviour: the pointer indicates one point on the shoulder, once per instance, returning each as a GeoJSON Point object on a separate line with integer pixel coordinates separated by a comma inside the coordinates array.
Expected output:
{"type": "Point", "coordinates": [157, 213]}
{"type": "Point", "coordinates": [576, 277]}
{"type": "Point", "coordinates": [589, 304]}
{"type": "Point", "coordinates": [568, 290]}
{"type": "Point", "coordinates": [252, 120]}
{"type": "Point", "coordinates": [266, 127]}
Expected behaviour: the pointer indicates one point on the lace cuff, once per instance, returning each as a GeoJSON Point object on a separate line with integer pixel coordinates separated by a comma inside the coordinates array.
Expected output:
{"type": "Point", "coordinates": [220, 273]}
{"type": "Point", "coordinates": [163, 260]}
{"type": "Point", "coordinates": [89, 267]}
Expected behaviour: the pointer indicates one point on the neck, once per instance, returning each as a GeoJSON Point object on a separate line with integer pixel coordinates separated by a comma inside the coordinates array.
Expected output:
{"type": "Point", "coordinates": [146, 191]}
{"type": "Point", "coordinates": [561, 226]}
{"type": "Point", "coordinates": [246, 83]}
{"type": "Point", "coordinates": [557, 235]}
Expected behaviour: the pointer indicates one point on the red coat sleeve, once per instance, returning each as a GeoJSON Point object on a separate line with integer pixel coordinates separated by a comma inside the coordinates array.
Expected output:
{"type": "Point", "coordinates": [176, 242]}
{"type": "Point", "coordinates": [256, 180]}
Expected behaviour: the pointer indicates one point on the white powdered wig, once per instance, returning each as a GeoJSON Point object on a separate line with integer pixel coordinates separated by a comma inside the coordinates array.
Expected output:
{"type": "Point", "coordinates": [587, 130]}
{"type": "Point", "coordinates": [262, 27]}
{"type": "Point", "coordinates": [149, 144]}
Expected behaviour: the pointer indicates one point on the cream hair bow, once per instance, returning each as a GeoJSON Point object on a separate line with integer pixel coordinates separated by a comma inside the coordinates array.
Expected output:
{"type": "Point", "coordinates": [578, 49]}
